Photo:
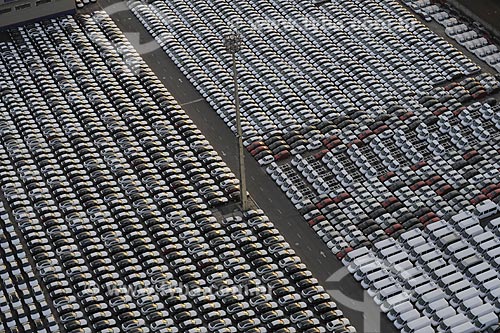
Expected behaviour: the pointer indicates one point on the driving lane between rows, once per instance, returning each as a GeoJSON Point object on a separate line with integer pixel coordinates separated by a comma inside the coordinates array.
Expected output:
{"type": "Point", "coordinates": [347, 292]}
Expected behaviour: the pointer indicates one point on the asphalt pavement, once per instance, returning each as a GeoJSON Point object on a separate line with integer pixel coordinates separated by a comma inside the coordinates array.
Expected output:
{"type": "Point", "coordinates": [323, 264]}
{"type": "Point", "coordinates": [4, 36]}
{"type": "Point", "coordinates": [486, 10]}
{"type": "Point", "coordinates": [326, 268]}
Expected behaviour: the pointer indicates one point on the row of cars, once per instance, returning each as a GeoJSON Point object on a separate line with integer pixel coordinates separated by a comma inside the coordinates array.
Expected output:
{"type": "Point", "coordinates": [445, 277]}
{"type": "Point", "coordinates": [113, 189]}
{"type": "Point", "coordinates": [83, 3]}
{"type": "Point", "coordinates": [470, 35]}
{"type": "Point", "coordinates": [279, 142]}
{"type": "Point", "coordinates": [22, 301]}
{"type": "Point", "coordinates": [316, 76]}
{"type": "Point", "coordinates": [410, 196]}
{"type": "Point", "coordinates": [411, 141]}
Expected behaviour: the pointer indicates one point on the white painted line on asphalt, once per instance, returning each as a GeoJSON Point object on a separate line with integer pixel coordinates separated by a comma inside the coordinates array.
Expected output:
{"type": "Point", "coordinates": [260, 187]}
{"type": "Point", "coordinates": [298, 235]}
{"type": "Point", "coordinates": [253, 178]}
{"type": "Point", "coordinates": [321, 263]}
{"type": "Point", "coordinates": [289, 223]}
{"type": "Point", "coordinates": [279, 211]}
{"type": "Point", "coordinates": [323, 254]}
{"type": "Point", "coordinates": [223, 153]}
{"type": "Point", "coordinates": [180, 80]}
{"type": "Point", "coordinates": [309, 248]}
{"type": "Point", "coordinates": [193, 101]}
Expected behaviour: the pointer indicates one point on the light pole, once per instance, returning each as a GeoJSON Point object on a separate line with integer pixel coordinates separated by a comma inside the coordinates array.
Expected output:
{"type": "Point", "coordinates": [233, 45]}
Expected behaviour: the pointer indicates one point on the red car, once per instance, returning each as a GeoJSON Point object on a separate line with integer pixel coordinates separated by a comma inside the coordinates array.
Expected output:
{"type": "Point", "coordinates": [450, 86]}
{"type": "Point", "coordinates": [341, 197]}
{"type": "Point", "coordinates": [324, 202]}
{"type": "Point", "coordinates": [417, 185]}
{"type": "Point", "coordinates": [427, 217]}
{"type": "Point", "coordinates": [282, 155]}
{"type": "Point", "coordinates": [440, 111]}
{"type": "Point", "coordinates": [407, 115]}
{"type": "Point", "coordinates": [470, 154]}
{"type": "Point", "coordinates": [477, 199]}
{"type": "Point", "coordinates": [365, 134]}
{"type": "Point", "coordinates": [458, 111]}
{"type": "Point", "coordinates": [433, 180]}
{"type": "Point", "coordinates": [356, 142]}
{"type": "Point", "coordinates": [434, 219]}
{"type": "Point", "coordinates": [319, 155]}
{"type": "Point", "coordinates": [255, 144]}
{"type": "Point", "coordinates": [393, 228]}
{"type": "Point", "coordinates": [418, 165]}
{"type": "Point", "coordinates": [387, 176]}
{"type": "Point", "coordinates": [312, 222]}
{"type": "Point", "coordinates": [258, 150]}
{"type": "Point", "coordinates": [493, 194]}
{"type": "Point", "coordinates": [443, 190]}
{"type": "Point", "coordinates": [380, 129]}
{"type": "Point", "coordinates": [329, 139]}
{"type": "Point", "coordinates": [333, 144]}
{"type": "Point", "coordinates": [478, 95]}
{"type": "Point", "coordinates": [340, 255]}
{"type": "Point", "coordinates": [389, 201]}
{"type": "Point", "coordinates": [489, 188]}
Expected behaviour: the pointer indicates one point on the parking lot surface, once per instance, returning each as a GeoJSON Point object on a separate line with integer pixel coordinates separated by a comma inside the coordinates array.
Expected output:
{"type": "Point", "coordinates": [372, 134]}
{"type": "Point", "coordinates": [276, 205]}
{"type": "Point", "coordinates": [359, 175]}
{"type": "Point", "coordinates": [122, 198]}
{"type": "Point", "coordinates": [487, 10]}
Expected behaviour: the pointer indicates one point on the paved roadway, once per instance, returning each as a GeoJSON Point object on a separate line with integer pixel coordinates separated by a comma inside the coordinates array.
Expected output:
{"type": "Point", "coordinates": [4, 37]}
{"type": "Point", "coordinates": [487, 10]}
{"type": "Point", "coordinates": [268, 196]}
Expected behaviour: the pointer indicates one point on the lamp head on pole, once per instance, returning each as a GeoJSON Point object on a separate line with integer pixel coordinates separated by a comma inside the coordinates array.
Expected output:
{"type": "Point", "coordinates": [232, 43]}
